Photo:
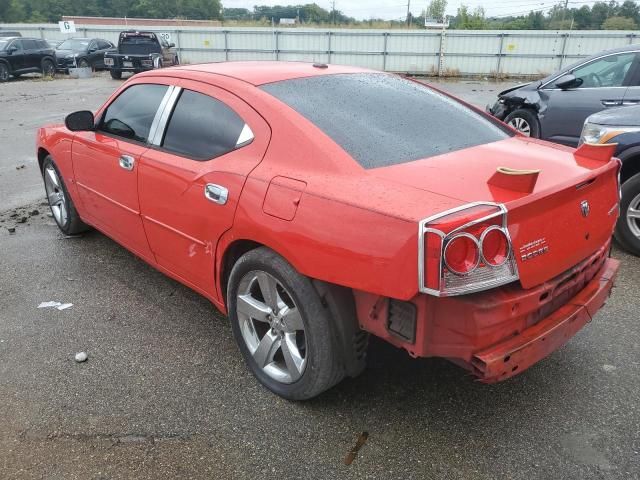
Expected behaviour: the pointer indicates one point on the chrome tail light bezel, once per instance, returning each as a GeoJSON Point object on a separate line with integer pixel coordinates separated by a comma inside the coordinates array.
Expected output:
{"type": "Point", "coordinates": [425, 229]}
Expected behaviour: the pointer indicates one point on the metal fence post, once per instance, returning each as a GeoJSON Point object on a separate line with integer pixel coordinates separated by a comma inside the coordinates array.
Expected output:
{"type": "Point", "coordinates": [500, 54]}
{"type": "Point", "coordinates": [178, 45]}
{"type": "Point", "coordinates": [276, 34]}
{"type": "Point", "coordinates": [329, 46]}
{"type": "Point", "coordinates": [41, 32]}
{"type": "Point", "coordinates": [84, 32]}
{"type": "Point", "coordinates": [441, 54]}
{"type": "Point", "coordinates": [564, 49]}
{"type": "Point", "coordinates": [385, 51]}
{"type": "Point", "coordinates": [226, 45]}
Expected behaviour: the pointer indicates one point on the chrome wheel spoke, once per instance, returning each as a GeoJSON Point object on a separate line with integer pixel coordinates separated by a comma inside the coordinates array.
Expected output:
{"type": "Point", "coordinates": [292, 357]}
{"type": "Point", "coordinates": [53, 178]}
{"type": "Point", "coordinates": [267, 348]}
{"type": "Point", "coordinates": [633, 213]}
{"type": "Point", "coordinates": [269, 289]}
{"type": "Point", "coordinates": [292, 319]}
{"type": "Point", "coordinates": [253, 308]}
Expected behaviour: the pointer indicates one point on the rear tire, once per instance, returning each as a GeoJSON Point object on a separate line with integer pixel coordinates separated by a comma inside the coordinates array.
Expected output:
{"type": "Point", "coordinates": [627, 231]}
{"type": "Point", "coordinates": [116, 74]}
{"type": "Point", "coordinates": [48, 68]}
{"type": "Point", "coordinates": [293, 319]}
{"type": "Point", "coordinates": [83, 63]}
{"type": "Point", "coordinates": [525, 121]}
{"type": "Point", "coordinates": [62, 207]}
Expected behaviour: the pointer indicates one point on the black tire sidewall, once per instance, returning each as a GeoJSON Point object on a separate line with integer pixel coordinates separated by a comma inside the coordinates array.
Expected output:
{"type": "Point", "coordinates": [4, 68]}
{"type": "Point", "coordinates": [323, 369]}
{"type": "Point", "coordinates": [530, 116]}
{"type": "Point", "coordinates": [624, 236]}
{"type": "Point", "coordinates": [74, 224]}
{"type": "Point", "coordinates": [46, 62]}
{"type": "Point", "coordinates": [115, 74]}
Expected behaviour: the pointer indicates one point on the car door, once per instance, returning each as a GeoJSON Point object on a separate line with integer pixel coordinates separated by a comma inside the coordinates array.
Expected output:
{"type": "Point", "coordinates": [191, 179]}
{"type": "Point", "coordinates": [16, 57]}
{"type": "Point", "coordinates": [102, 47]}
{"type": "Point", "coordinates": [604, 82]}
{"type": "Point", "coordinates": [32, 54]}
{"type": "Point", "coordinates": [105, 163]}
{"type": "Point", "coordinates": [167, 52]}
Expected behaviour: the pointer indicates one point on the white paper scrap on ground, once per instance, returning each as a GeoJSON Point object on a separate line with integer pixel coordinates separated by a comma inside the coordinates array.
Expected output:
{"type": "Point", "coordinates": [49, 304]}
{"type": "Point", "coordinates": [64, 306]}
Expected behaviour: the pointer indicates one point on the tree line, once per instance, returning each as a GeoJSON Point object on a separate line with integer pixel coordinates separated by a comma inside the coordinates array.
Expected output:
{"type": "Point", "coordinates": [612, 15]}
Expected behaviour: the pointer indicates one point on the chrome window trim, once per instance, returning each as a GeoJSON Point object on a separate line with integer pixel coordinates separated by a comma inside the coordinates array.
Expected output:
{"type": "Point", "coordinates": [565, 72]}
{"type": "Point", "coordinates": [156, 119]}
{"type": "Point", "coordinates": [423, 228]}
{"type": "Point", "coordinates": [166, 107]}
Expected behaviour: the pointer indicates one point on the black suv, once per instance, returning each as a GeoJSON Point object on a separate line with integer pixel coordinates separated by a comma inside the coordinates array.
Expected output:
{"type": "Point", "coordinates": [25, 55]}
{"type": "Point", "coordinates": [82, 52]}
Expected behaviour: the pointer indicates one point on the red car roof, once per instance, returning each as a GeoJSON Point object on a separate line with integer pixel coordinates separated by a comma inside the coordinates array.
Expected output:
{"type": "Point", "coordinates": [261, 72]}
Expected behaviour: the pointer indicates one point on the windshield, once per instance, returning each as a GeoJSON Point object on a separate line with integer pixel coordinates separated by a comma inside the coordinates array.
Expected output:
{"type": "Point", "coordinates": [382, 119]}
{"type": "Point", "coordinates": [74, 44]}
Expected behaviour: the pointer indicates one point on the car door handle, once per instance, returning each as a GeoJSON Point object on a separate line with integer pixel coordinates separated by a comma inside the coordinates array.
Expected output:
{"type": "Point", "coordinates": [127, 162]}
{"type": "Point", "coordinates": [630, 102]}
{"type": "Point", "coordinates": [216, 193]}
{"type": "Point", "coordinates": [611, 103]}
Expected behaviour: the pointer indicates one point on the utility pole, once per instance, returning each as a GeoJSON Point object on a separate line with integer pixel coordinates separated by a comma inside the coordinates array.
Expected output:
{"type": "Point", "coordinates": [564, 12]}
{"type": "Point", "coordinates": [333, 11]}
{"type": "Point", "coordinates": [408, 13]}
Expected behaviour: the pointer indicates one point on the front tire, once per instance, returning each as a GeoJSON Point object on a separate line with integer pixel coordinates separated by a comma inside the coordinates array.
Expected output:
{"type": "Point", "coordinates": [4, 72]}
{"type": "Point", "coordinates": [62, 207]}
{"type": "Point", "coordinates": [285, 333]}
{"type": "Point", "coordinates": [627, 231]}
{"type": "Point", "coordinates": [525, 121]}
{"type": "Point", "coordinates": [116, 74]}
{"type": "Point", "coordinates": [83, 63]}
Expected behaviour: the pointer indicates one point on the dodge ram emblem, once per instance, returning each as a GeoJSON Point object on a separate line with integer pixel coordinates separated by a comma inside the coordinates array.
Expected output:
{"type": "Point", "coordinates": [585, 208]}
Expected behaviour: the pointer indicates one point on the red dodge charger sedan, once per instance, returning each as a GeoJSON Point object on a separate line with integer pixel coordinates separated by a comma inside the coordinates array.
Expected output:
{"type": "Point", "coordinates": [315, 204]}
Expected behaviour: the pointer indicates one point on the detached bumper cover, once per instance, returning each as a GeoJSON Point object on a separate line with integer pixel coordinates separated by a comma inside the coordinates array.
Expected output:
{"type": "Point", "coordinates": [518, 353]}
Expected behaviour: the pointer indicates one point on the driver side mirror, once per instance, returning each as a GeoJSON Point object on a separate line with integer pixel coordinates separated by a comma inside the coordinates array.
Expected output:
{"type": "Point", "coordinates": [92, 50]}
{"type": "Point", "coordinates": [171, 45]}
{"type": "Point", "coordinates": [11, 49]}
{"type": "Point", "coordinates": [81, 121]}
{"type": "Point", "coordinates": [568, 81]}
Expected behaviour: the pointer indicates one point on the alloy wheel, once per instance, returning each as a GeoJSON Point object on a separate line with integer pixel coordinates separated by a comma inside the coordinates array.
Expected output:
{"type": "Point", "coordinates": [521, 125]}
{"type": "Point", "coordinates": [633, 216]}
{"type": "Point", "coordinates": [271, 326]}
{"type": "Point", "coordinates": [48, 69]}
{"type": "Point", "coordinates": [55, 195]}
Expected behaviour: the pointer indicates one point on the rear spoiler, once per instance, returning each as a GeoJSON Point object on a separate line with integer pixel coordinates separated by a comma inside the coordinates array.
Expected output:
{"type": "Point", "coordinates": [600, 152]}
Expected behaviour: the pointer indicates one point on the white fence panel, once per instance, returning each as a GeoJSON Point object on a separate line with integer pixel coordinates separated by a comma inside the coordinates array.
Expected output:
{"type": "Point", "coordinates": [464, 52]}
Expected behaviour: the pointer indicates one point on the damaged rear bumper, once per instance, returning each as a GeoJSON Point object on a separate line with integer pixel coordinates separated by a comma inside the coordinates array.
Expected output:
{"type": "Point", "coordinates": [518, 353]}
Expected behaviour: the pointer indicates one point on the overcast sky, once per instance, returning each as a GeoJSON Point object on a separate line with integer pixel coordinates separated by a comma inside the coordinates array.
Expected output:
{"type": "Point", "coordinates": [391, 9]}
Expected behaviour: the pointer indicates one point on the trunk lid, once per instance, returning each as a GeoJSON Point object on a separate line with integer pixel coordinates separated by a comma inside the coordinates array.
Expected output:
{"type": "Point", "coordinates": [569, 213]}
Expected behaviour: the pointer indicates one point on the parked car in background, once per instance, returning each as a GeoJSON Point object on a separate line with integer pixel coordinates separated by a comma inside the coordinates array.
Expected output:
{"type": "Point", "coordinates": [140, 51]}
{"type": "Point", "coordinates": [25, 55]}
{"type": "Point", "coordinates": [622, 126]}
{"type": "Point", "coordinates": [311, 204]}
{"type": "Point", "coordinates": [556, 107]}
{"type": "Point", "coordinates": [54, 43]}
{"type": "Point", "coordinates": [7, 33]}
{"type": "Point", "coordinates": [82, 52]}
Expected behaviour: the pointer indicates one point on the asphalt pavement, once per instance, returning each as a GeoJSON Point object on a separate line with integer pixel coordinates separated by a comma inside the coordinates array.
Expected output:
{"type": "Point", "coordinates": [165, 393]}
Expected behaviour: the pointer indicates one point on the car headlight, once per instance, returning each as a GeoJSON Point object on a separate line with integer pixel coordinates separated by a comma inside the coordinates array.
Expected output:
{"type": "Point", "coordinates": [594, 133]}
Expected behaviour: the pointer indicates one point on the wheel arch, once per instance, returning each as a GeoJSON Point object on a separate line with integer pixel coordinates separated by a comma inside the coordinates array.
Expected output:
{"type": "Point", "coordinates": [42, 154]}
{"type": "Point", "coordinates": [6, 63]}
{"type": "Point", "coordinates": [630, 163]}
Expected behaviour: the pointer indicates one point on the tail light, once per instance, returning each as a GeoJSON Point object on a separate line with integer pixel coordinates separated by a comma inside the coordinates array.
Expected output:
{"type": "Point", "coordinates": [466, 249]}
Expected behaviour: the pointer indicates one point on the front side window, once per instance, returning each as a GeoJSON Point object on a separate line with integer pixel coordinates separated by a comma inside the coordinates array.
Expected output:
{"type": "Point", "coordinates": [131, 114]}
{"type": "Point", "coordinates": [30, 44]}
{"type": "Point", "coordinates": [609, 71]}
{"type": "Point", "coordinates": [203, 128]}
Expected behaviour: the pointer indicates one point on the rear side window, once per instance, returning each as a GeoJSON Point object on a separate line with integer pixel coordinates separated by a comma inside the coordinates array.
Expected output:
{"type": "Point", "coordinates": [202, 127]}
{"type": "Point", "coordinates": [382, 119]}
{"type": "Point", "coordinates": [30, 44]}
{"type": "Point", "coordinates": [131, 114]}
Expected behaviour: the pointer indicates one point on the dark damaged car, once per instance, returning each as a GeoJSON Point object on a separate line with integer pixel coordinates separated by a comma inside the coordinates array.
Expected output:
{"type": "Point", "coordinates": [556, 107]}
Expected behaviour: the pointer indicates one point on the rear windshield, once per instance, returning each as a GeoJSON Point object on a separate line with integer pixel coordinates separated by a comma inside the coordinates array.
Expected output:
{"type": "Point", "coordinates": [140, 40]}
{"type": "Point", "coordinates": [382, 119]}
